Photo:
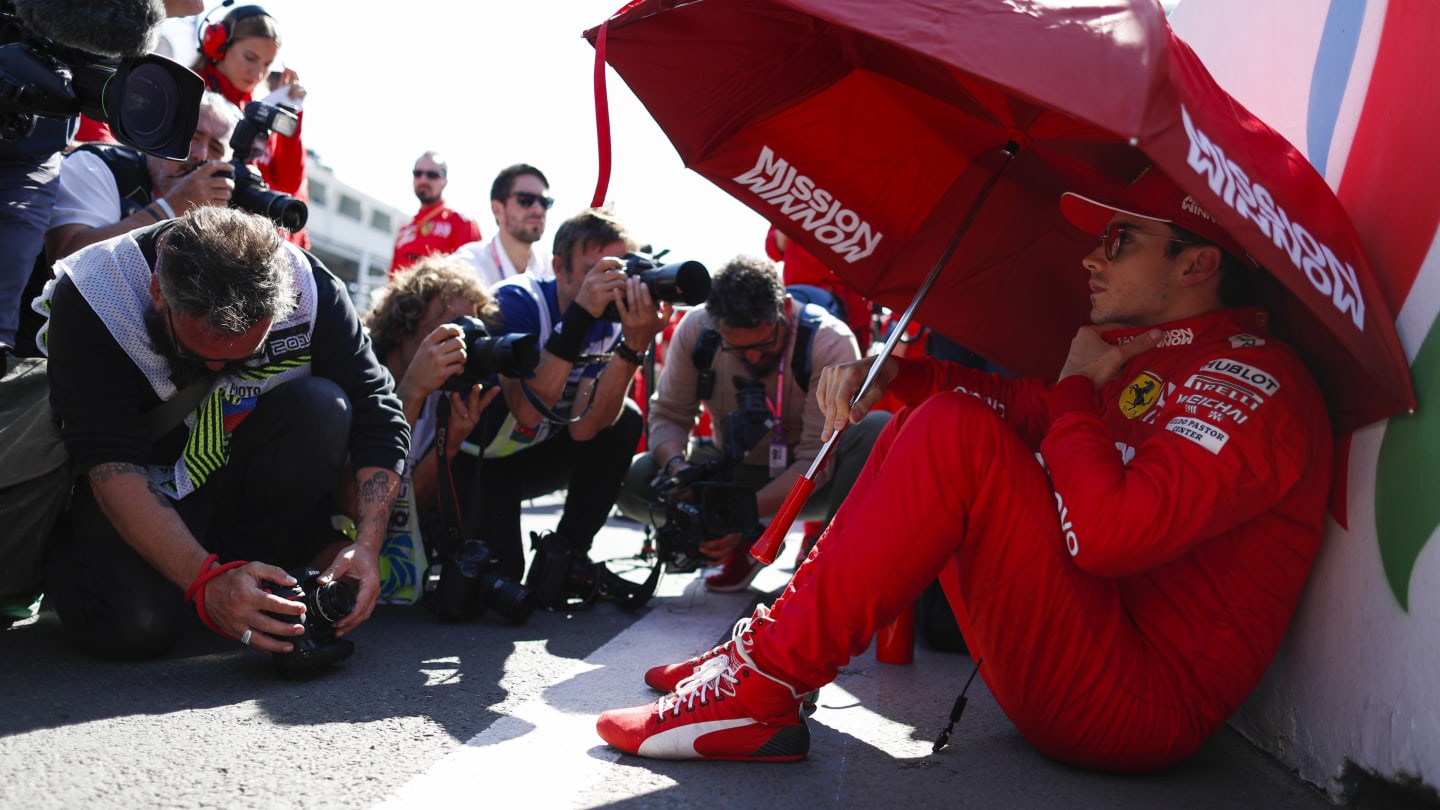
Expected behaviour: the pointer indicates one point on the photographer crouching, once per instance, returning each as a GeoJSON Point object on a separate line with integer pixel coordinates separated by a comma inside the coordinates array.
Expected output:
{"type": "Point", "coordinates": [571, 425]}
{"type": "Point", "coordinates": [211, 382]}
{"type": "Point", "coordinates": [432, 328]}
{"type": "Point", "coordinates": [748, 355]}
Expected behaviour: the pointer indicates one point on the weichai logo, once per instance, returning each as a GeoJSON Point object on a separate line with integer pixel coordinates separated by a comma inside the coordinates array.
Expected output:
{"type": "Point", "coordinates": [776, 181]}
{"type": "Point", "coordinates": [1328, 273]}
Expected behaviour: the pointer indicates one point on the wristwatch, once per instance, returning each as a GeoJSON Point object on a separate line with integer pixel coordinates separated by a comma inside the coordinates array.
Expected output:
{"type": "Point", "coordinates": [624, 352]}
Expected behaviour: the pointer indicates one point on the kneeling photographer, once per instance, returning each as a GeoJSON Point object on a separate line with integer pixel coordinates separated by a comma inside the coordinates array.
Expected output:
{"type": "Point", "coordinates": [432, 329]}
{"type": "Point", "coordinates": [748, 356]}
{"type": "Point", "coordinates": [571, 425]}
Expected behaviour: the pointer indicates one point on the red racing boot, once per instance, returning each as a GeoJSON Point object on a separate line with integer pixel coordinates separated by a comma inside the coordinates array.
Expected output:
{"type": "Point", "coordinates": [666, 677]}
{"type": "Point", "coordinates": [729, 709]}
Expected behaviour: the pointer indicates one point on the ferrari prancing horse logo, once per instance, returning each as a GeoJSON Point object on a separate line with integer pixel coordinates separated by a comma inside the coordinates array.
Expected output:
{"type": "Point", "coordinates": [1139, 395]}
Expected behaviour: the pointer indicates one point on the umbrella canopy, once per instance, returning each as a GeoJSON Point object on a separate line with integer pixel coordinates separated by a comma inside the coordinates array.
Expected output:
{"type": "Point", "coordinates": [868, 129]}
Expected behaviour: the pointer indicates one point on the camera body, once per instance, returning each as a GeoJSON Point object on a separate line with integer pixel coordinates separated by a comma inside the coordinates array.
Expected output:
{"type": "Point", "coordinates": [512, 355]}
{"type": "Point", "coordinates": [701, 503]}
{"type": "Point", "coordinates": [562, 575]}
{"type": "Point", "coordinates": [687, 281]}
{"type": "Point", "coordinates": [465, 584]}
{"type": "Point", "coordinates": [150, 102]}
{"type": "Point", "coordinates": [251, 194]}
{"type": "Point", "coordinates": [324, 606]}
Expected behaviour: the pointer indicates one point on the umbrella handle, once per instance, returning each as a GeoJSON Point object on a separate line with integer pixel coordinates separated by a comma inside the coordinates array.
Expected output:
{"type": "Point", "coordinates": [768, 546]}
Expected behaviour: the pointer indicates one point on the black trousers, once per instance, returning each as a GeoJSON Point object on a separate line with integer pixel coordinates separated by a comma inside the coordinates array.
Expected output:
{"type": "Point", "coordinates": [269, 503]}
{"type": "Point", "coordinates": [590, 472]}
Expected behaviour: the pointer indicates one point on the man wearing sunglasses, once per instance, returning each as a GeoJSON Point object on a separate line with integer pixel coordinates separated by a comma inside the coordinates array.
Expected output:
{"type": "Point", "coordinates": [519, 199]}
{"type": "Point", "coordinates": [1123, 547]}
{"type": "Point", "coordinates": [213, 384]}
{"type": "Point", "coordinates": [571, 425]}
{"type": "Point", "coordinates": [436, 227]}
{"type": "Point", "coordinates": [763, 339]}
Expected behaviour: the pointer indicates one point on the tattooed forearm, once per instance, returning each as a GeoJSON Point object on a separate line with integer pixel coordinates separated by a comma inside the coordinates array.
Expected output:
{"type": "Point", "coordinates": [161, 498]}
{"type": "Point", "coordinates": [376, 489]}
{"type": "Point", "coordinates": [102, 473]}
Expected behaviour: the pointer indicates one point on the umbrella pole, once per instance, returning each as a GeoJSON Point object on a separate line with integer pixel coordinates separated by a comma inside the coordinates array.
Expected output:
{"type": "Point", "coordinates": [768, 546]}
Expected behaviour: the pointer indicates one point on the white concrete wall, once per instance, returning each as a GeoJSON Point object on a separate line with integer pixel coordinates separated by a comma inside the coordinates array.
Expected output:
{"type": "Point", "coordinates": [1358, 681]}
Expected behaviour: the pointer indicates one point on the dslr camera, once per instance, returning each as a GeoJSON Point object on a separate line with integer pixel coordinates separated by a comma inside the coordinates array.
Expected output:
{"type": "Point", "coordinates": [251, 194]}
{"type": "Point", "coordinates": [700, 502]}
{"type": "Point", "coordinates": [687, 282]}
{"type": "Point", "coordinates": [513, 355]}
{"type": "Point", "coordinates": [464, 585]}
{"type": "Point", "coordinates": [324, 606]}
{"type": "Point", "coordinates": [150, 102]}
{"type": "Point", "coordinates": [562, 575]}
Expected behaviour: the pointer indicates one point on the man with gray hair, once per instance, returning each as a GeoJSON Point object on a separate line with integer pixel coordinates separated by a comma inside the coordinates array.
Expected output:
{"type": "Point", "coordinates": [109, 189]}
{"type": "Point", "coordinates": [211, 380]}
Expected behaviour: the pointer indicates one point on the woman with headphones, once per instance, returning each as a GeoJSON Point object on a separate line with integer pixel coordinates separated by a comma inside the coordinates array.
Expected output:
{"type": "Point", "coordinates": [235, 58]}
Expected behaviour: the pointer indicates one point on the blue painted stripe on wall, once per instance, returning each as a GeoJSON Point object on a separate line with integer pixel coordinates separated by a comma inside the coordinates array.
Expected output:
{"type": "Point", "coordinates": [1333, 63]}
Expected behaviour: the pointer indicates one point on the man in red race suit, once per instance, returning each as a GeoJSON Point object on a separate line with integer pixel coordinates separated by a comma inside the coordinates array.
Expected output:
{"type": "Point", "coordinates": [1123, 548]}
{"type": "Point", "coordinates": [436, 228]}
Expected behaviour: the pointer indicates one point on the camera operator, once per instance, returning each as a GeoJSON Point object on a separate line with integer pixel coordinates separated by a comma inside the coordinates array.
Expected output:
{"type": "Point", "coordinates": [211, 380]}
{"type": "Point", "coordinates": [109, 189]}
{"type": "Point", "coordinates": [412, 326]}
{"type": "Point", "coordinates": [761, 337]}
{"type": "Point", "coordinates": [30, 165]}
{"type": "Point", "coordinates": [571, 426]}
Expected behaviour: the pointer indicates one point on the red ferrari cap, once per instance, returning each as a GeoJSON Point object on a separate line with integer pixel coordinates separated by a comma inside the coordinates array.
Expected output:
{"type": "Point", "coordinates": [1155, 196]}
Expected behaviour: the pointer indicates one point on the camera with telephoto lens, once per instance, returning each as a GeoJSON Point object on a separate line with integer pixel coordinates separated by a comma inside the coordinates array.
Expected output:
{"type": "Point", "coordinates": [700, 502]}
{"type": "Point", "coordinates": [251, 194]}
{"type": "Point", "coordinates": [465, 584]}
{"type": "Point", "coordinates": [325, 605]}
{"type": "Point", "coordinates": [512, 355]}
{"type": "Point", "coordinates": [687, 282]}
{"type": "Point", "coordinates": [563, 576]}
{"type": "Point", "coordinates": [150, 102]}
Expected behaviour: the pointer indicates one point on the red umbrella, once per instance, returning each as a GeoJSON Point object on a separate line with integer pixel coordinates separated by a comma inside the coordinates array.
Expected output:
{"type": "Point", "coordinates": [924, 145]}
{"type": "Point", "coordinates": [865, 129]}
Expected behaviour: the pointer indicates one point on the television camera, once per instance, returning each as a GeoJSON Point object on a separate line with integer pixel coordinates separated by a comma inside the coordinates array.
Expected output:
{"type": "Point", "coordinates": [150, 102]}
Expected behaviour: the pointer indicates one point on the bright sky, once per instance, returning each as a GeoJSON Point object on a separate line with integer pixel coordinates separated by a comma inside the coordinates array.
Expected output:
{"type": "Point", "coordinates": [490, 84]}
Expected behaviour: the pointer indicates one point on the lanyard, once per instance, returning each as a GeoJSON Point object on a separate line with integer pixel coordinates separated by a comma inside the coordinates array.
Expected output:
{"type": "Point", "coordinates": [777, 405]}
{"type": "Point", "coordinates": [495, 252]}
{"type": "Point", "coordinates": [779, 452]}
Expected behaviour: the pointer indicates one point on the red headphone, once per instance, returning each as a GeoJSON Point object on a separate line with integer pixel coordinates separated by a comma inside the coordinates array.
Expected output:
{"type": "Point", "coordinates": [215, 37]}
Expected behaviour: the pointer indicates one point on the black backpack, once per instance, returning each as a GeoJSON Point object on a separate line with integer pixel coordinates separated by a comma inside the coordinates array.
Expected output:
{"type": "Point", "coordinates": [814, 302]}
{"type": "Point", "coordinates": [132, 178]}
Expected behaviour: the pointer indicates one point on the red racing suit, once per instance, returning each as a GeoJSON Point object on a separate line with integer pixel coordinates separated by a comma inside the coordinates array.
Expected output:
{"type": "Point", "coordinates": [1126, 596]}
{"type": "Point", "coordinates": [436, 228]}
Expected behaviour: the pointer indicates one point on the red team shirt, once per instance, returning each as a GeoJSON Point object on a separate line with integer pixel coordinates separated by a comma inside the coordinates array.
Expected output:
{"type": "Point", "coordinates": [435, 229]}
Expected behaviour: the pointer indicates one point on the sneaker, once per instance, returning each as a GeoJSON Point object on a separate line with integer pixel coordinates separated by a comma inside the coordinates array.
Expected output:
{"type": "Point", "coordinates": [666, 677]}
{"type": "Point", "coordinates": [729, 709]}
{"type": "Point", "coordinates": [737, 572]}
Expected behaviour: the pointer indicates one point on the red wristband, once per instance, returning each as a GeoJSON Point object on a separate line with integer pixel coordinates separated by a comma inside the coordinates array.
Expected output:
{"type": "Point", "coordinates": [196, 592]}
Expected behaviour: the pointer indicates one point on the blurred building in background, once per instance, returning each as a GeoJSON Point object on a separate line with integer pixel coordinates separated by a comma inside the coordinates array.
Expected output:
{"type": "Point", "coordinates": [351, 231]}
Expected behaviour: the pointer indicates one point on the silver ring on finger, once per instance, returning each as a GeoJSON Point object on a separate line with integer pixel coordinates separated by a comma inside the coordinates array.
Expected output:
{"type": "Point", "coordinates": [245, 636]}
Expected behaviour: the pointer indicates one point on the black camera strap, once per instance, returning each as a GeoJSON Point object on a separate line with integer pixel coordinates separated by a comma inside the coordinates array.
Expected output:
{"type": "Point", "coordinates": [449, 511]}
{"type": "Point", "coordinates": [549, 413]}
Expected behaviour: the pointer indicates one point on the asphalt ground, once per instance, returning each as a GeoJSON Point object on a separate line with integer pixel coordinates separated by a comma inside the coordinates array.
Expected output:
{"type": "Point", "coordinates": [434, 715]}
